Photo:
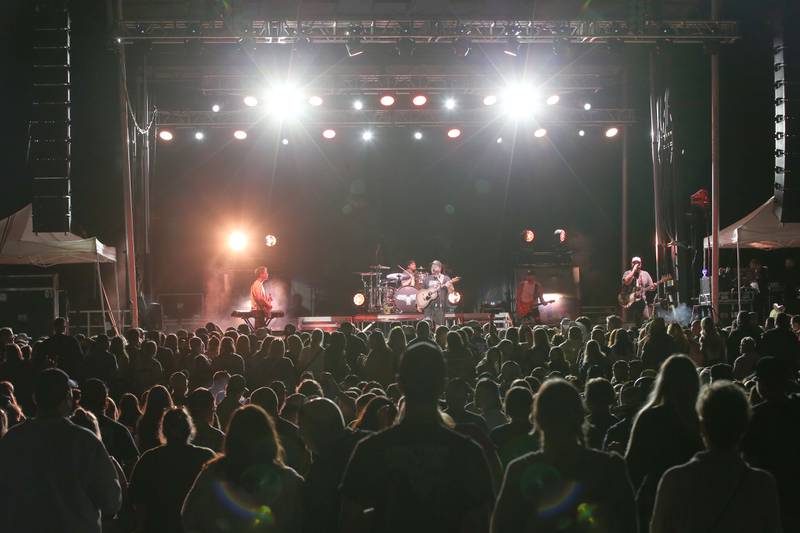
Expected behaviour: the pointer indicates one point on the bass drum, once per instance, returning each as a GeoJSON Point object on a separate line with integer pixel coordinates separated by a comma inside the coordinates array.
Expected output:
{"type": "Point", "coordinates": [405, 300]}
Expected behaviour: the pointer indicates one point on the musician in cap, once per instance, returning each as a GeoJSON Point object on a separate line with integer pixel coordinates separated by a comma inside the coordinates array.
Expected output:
{"type": "Point", "coordinates": [530, 296]}
{"type": "Point", "coordinates": [635, 284]}
{"type": "Point", "coordinates": [443, 284]}
{"type": "Point", "coordinates": [260, 300]}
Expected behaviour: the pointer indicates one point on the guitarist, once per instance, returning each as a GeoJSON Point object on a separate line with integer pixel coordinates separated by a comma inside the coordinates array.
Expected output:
{"type": "Point", "coordinates": [260, 300]}
{"type": "Point", "coordinates": [637, 282]}
{"type": "Point", "coordinates": [436, 280]}
{"type": "Point", "coordinates": [530, 295]}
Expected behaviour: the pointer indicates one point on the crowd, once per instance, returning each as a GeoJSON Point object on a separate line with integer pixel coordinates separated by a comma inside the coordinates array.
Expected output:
{"type": "Point", "coordinates": [573, 428]}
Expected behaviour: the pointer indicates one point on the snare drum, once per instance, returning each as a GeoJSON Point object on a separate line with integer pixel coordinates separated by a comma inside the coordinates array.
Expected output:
{"type": "Point", "coordinates": [405, 300]}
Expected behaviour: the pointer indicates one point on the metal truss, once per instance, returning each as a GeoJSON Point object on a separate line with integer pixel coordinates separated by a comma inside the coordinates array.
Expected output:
{"type": "Point", "coordinates": [388, 118]}
{"type": "Point", "coordinates": [431, 31]}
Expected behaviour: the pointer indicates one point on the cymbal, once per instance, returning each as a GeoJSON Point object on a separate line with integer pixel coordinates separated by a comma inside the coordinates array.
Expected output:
{"type": "Point", "coordinates": [379, 267]}
{"type": "Point", "coordinates": [365, 273]}
{"type": "Point", "coordinates": [397, 276]}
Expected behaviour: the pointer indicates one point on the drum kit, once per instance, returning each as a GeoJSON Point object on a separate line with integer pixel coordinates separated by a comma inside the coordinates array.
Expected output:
{"type": "Point", "coordinates": [391, 293]}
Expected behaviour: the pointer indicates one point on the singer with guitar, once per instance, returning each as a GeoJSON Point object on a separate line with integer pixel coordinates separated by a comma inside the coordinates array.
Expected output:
{"type": "Point", "coordinates": [443, 285]}
{"type": "Point", "coordinates": [635, 284]}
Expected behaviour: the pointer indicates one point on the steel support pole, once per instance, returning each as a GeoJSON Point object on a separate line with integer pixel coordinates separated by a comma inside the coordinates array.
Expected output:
{"type": "Point", "coordinates": [715, 192]}
{"type": "Point", "coordinates": [127, 187]}
{"type": "Point", "coordinates": [654, 157]}
{"type": "Point", "coordinates": [625, 152]}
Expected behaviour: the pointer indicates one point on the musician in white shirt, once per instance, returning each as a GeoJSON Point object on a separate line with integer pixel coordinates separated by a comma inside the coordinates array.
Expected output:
{"type": "Point", "coordinates": [260, 300]}
{"type": "Point", "coordinates": [638, 282]}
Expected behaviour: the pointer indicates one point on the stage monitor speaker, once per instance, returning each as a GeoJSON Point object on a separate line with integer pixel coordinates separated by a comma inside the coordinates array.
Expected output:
{"type": "Point", "coordinates": [786, 67]}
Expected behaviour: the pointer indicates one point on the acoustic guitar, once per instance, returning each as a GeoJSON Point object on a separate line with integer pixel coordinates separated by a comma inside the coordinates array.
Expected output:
{"type": "Point", "coordinates": [426, 296]}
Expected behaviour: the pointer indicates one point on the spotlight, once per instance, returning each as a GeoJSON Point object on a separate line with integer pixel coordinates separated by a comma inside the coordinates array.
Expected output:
{"type": "Point", "coordinates": [358, 105]}
{"type": "Point", "coordinates": [250, 101]}
{"type": "Point", "coordinates": [581, 133]}
{"type": "Point", "coordinates": [315, 101]}
{"type": "Point", "coordinates": [462, 46]}
{"type": "Point", "coordinates": [512, 46]}
{"type": "Point", "coordinates": [611, 132]}
{"type": "Point", "coordinates": [587, 106]}
{"type": "Point", "coordinates": [499, 140]}
{"type": "Point", "coordinates": [237, 241]}
{"type": "Point", "coordinates": [270, 240]}
{"type": "Point", "coordinates": [215, 108]}
{"type": "Point", "coordinates": [419, 100]}
{"type": "Point", "coordinates": [199, 135]}
{"type": "Point", "coordinates": [329, 134]}
{"type": "Point", "coordinates": [454, 297]}
{"type": "Point", "coordinates": [284, 101]}
{"type": "Point", "coordinates": [240, 135]}
{"type": "Point", "coordinates": [528, 236]}
{"type": "Point", "coordinates": [387, 100]}
{"type": "Point", "coordinates": [560, 236]}
{"type": "Point", "coordinates": [405, 47]}
{"type": "Point", "coordinates": [541, 132]}
{"type": "Point", "coordinates": [553, 99]}
{"type": "Point", "coordinates": [165, 135]}
{"type": "Point", "coordinates": [520, 101]}
{"type": "Point", "coordinates": [450, 104]}
{"type": "Point", "coordinates": [359, 299]}
{"type": "Point", "coordinates": [285, 141]}
{"type": "Point", "coordinates": [354, 47]}
{"type": "Point", "coordinates": [367, 136]}
{"type": "Point", "coordinates": [489, 99]}
{"type": "Point", "coordinates": [454, 133]}
{"type": "Point", "coordinates": [418, 135]}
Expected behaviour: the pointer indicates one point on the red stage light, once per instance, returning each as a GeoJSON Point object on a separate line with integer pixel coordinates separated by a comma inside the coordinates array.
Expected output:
{"type": "Point", "coordinates": [454, 133]}
{"type": "Point", "coordinates": [329, 134]}
{"type": "Point", "coordinates": [419, 100]}
{"type": "Point", "coordinates": [560, 235]}
{"type": "Point", "coordinates": [528, 235]}
{"type": "Point", "coordinates": [387, 100]}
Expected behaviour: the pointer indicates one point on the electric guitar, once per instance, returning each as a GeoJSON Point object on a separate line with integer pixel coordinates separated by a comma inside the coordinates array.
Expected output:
{"type": "Point", "coordinates": [426, 296]}
{"type": "Point", "coordinates": [524, 310]}
{"type": "Point", "coordinates": [629, 294]}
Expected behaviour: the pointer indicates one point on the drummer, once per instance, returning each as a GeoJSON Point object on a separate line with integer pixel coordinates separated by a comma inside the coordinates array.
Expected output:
{"type": "Point", "coordinates": [407, 280]}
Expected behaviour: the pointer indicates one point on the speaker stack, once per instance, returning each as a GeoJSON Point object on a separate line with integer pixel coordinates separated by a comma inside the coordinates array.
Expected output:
{"type": "Point", "coordinates": [786, 66]}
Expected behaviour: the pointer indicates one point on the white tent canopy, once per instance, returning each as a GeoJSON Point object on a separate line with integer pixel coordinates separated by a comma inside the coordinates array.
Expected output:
{"type": "Point", "coordinates": [760, 230]}
{"type": "Point", "coordinates": [19, 245]}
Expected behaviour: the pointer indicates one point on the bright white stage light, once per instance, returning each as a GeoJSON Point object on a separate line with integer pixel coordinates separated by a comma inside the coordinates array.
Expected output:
{"type": "Point", "coordinates": [250, 101]}
{"type": "Point", "coordinates": [358, 105]}
{"type": "Point", "coordinates": [270, 240]}
{"type": "Point", "coordinates": [553, 99]}
{"type": "Point", "coordinates": [450, 104]}
{"type": "Point", "coordinates": [240, 135]}
{"type": "Point", "coordinates": [541, 132]}
{"type": "Point", "coordinates": [199, 135]}
{"type": "Point", "coordinates": [611, 132]}
{"type": "Point", "coordinates": [499, 140]}
{"type": "Point", "coordinates": [285, 141]}
{"type": "Point", "coordinates": [419, 100]}
{"type": "Point", "coordinates": [315, 101]}
{"type": "Point", "coordinates": [359, 299]}
{"type": "Point", "coordinates": [284, 101]}
{"type": "Point", "coordinates": [215, 108]}
{"type": "Point", "coordinates": [387, 100]}
{"type": "Point", "coordinates": [329, 134]}
{"type": "Point", "coordinates": [237, 241]}
{"type": "Point", "coordinates": [587, 106]}
{"type": "Point", "coordinates": [581, 133]}
{"type": "Point", "coordinates": [454, 297]}
{"type": "Point", "coordinates": [454, 133]}
{"type": "Point", "coordinates": [489, 99]}
{"type": "Point", "coordinates": [367, 136]}
{"type": "Point", "coordinates": [165, 135]}
{"type": "Point", "coordinates": [520, 101]}
{"type": "Point", "coordinates": [418, 135]}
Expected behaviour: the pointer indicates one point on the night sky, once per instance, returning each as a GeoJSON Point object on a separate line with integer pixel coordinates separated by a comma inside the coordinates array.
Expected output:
{"type": "Point", "coordinates": [337, 207]}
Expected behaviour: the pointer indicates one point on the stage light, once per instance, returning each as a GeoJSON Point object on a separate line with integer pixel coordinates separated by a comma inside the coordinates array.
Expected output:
{"type": "Point", "coordinates": [359, 299]}
{"type": "Point", "coordinates": [329, 134]}
{"type": "Point", "coordinates": [541, 132]}
{"type": "Point", "coordinates": [489, 99]}
{"type": "Point", "coordinates": [285, 141]}
{"type": "Point", "coordinates": [581, 133]}
{"type": "Point", "coordinates": [387, 100]}
{"type": "Point", "coordinates": [512, 46]}
{"type": "Point", "coordinates": [237, 241]}
{"type": "Point", "coordinates": [165, 135]}
{"type": "Point", "coordinates": [284, 101]}
{"type": "Point", "coordinates": [270, 240]}
{"type": "Point", "coordinates": [450, 104]}
{"type": "Point", "coordinates": [587, 106]}
{"type": "Point", "coordinates": [454, 297]}
{"type": "Point", "coordinates": [611, 132]}
{"type": "Point", "coordinates": [199, 135]}
{"type": "Point", "coordinates": [315, 101]}
{"type": "Point", "coordinates": [418, 135]}
{"type": "Point", "coordinates": [520, 101]}
{"type": "Point", "coordinates": [499, 140]}
{"type": "Point", "coordinates": [354, 47]}
{"type": "Point", "coordinates": [454, 133]}
{"type": "Point", "coordinates": [553, 99]}
{"type": "Point", "coordinates": [419, 100]}
{"type": "Point", "coordinates": [528, 236]}
{"type": "Point", "coordinates": [215, 108]}
{"type": "Point", "coordinates": [240, 135]}
{"type": "Point", "coordinates": [367, 136]}
{"type": "Point", "coordinates": [250, 101]}
{"type": "Point", "coordinates": [358, 105]}
{"type": "Point", "coordinates": [560, 236]}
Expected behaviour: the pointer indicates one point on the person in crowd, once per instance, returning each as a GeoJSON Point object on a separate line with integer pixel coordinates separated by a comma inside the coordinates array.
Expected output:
{"type": "Point", "coordinates": [178, 388]}
{"type": "Point", "coordinates": [379, 414]}
{"type": "Point", "coordinates": [257, 488]}
{"type": "Point", "coordinates": [457, 396]}
{"type": "Point", "coordinates": [617, 436]}
{"type": "Point", "coordinates": [557, 363]}
{"type": "Point", "coordinates": [354, 345]}
{"type": "Point", "coordinates": [115, 436]}
{"type": "Point", "coordinates": [448, 488]}
{"type": "Point", "coordinates": [487, 403]}
{"type": "Point", "coordinates": [743, 327]}
{"type": "Point", "coordinates": [490, 364]}
{"type": "Point", "coordinates": [17, 370]}
{"type": "Point", "coordinates": [147, 371]}
{"type": "Point", "coordinates": [459, 361]}
{"type": "Point", "coordinates": [593, 357]}
{"type": "Point", "coordinates": [423, 333]}
{"type": "Point", "coordinates": [129, 412]}
{"type": "Point", "coordinates": [296, 454]}
{"type": "Point", "coordinates": [147, 430]}
{"type": "Point", "coordinates": [781, 342]}
{"type": "Point", "coordinates": [571, 347]}
{"type": "Point", "coordinates": [64, 349]}
{"type": "Point", "coordinates": [666, 431]}
{"type": "Point", "coordinates": [311, 357]}
{"type": "Point", "coordinates": [56, 476]}
{"type": "Point", "coordinates": [100, 363]}
{"type": "Point", "coordinates": [771, 440]}
{"type": "Point", "coordinates": [680, 343]}
{"type": "Point", "coordinates": [228, 360]}
{"type": "Point", "coordinates": [621, 345]}
{"type": "Point", "coordinates": [712, 344]}
{"type": "Point", "coordinates": [200, 403]}
{"type": "Point", "coordinates": [745, 364]}
{"type": "Point", "coordinates": [514, 439]}
{"type": "Point", "coordinates": [380, 364]}
{"type": "Point", "coordinates": [658, 345]}
{"type": "Point", "coordinates": [164, 475]}
{"type": "Point", "coordinates": [335, 356]}
{"type": "Point", "coordinates": [8, 403]}
{"type": "Point", "coordinates": [716, 490]}
{"type": "Point", "coordinates": [276, 366]}
{"type": "Point", "coordinates": [563, 467]}
{"type": "Point", "coordinates": [598, 397]}
{"type": "Point", "coordinates": [233, 399]}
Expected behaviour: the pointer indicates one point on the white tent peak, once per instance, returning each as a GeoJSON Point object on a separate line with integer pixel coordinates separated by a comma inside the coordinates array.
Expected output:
{"type": "Point", "coordinates": [761, 230]}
